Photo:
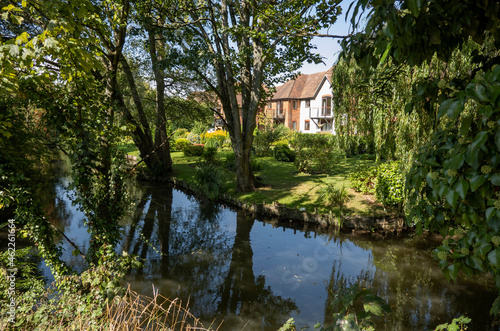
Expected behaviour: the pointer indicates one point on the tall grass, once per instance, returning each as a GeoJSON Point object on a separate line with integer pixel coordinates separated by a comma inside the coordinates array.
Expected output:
{"type": "Point", "coordinates": [133, 311]}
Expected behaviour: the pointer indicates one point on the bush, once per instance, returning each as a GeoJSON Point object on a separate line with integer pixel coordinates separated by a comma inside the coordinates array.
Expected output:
{"type": "Point", "coordinates": [230, 162]}
{"type": "Point", "coordinates": [215, 139]}
{"type": "Point", "coordinates": [209, 154]}
{"type": "Point", "coordinates": [208, 180]}
{"type": "Point", "coordinates": [364, 181]}
{"type": "Point", "coordinates": [193, 150]}
{"type": "Point", "coordinates": [263, 139]}
{"type": "Point", "coordinates": [180, 133]}
{"type": "Point", "coordinates": [390, 184]}
{"type": "Point", "coordinates": [283, 153]}
{"type": "Point", "coordinates": [194, 138]}
{"type": "Point", "coordinates": [180, 143]}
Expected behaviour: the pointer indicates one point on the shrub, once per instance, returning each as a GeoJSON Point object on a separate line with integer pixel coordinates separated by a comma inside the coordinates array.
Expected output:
{"type": "Point", "coordinates": [390, 184]}
{"type": "Point", "coordinates": [193, 150]}
{"type": "Point", "coordinates": [283, 153]}
{"type": "Point", "coordinates": [263, 139]}
{"type": "Point", "coordinates": [180, 143]}
{"type": "Point", "coordinates": [230, 162]}
{"type": "Point", "coordinates": [194, 138]}
{"type": "Point", "coordinates": [303, 161]}
{"type": "Point", "coordinates": [216, 138]}
{"type": "Point", "coordinates": [364, 181]}
{"type": "Point", "coordinates": [209, 154]}
{"type": "Point", "coordinates": [208, 180]}
{"type": "Point", "coordinates": [180, 133]}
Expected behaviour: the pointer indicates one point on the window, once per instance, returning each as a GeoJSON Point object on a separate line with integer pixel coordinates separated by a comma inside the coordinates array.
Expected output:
{"type": "Point", "coordinates": [308, 103]}
{"type": "Point", "coordinates": [294, 104]}
{"type": "Point", "coordinates": [279, 111]}
{"type": "Point", "coordinates": [326, 106]}
{"type": "Point", "coordinates": [269, 105]}
{"type": "Point", "coordinates": [307, 125]}
{"type": "Point", "coordinates": [294, 125]}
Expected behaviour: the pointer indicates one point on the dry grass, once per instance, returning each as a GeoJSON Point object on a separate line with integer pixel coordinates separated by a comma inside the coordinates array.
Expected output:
{"type": "Point", "coordinates": [138, 312]}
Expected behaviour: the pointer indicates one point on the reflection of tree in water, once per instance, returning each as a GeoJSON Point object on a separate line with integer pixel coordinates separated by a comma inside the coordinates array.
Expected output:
{"type": "Point", "coordinates": [419, 295]}
{"type": "Point", "coordinates": [189, 252]}
{"type": "Point", "coordinates": [243, 294]}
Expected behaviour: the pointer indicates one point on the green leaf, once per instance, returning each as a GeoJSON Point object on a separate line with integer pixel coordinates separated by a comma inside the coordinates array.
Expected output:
{"type": "Point", "coordinates": [476, 182]}
{"type": "Point", "coordinates": [490, 212]}
{"type": "Point", "coordinates": [495, 308]}
{"type": "Point", "coordinates": [462, 186]}
{"type": "Point", "coordinates": [465, 125]}
{"type": "Point", "coordinates": [494, 258]}
{"type": "Point", "coordinates": [479, 140]}
{"type": "Point", "coordinates": [475, 262]}
{"type": "Point", "coordinates": [497, 138]}
{"type": "Point", "coordinates": [452, 198]}
{"type": "Point", "coordinates": [494, 223]}
{"type": "Point", "coordinates": [495, 179]}
{"type": "Point", "coordinates": [414, 6]}
{"type": "Point", "coordinates": [443, 107]}
{"type": "Point", "coordinates": [373, 307]}
{"type": "Point", "coordinates": [456, 161]}
{"type": "Point", "coordinates": [386, 52]}
{"type": "Point", "coordinates": [453, 271]}
{"type": "Point", "coordinates": [477, 92]}
{"type": "Point", "coordinates": [455, 108]}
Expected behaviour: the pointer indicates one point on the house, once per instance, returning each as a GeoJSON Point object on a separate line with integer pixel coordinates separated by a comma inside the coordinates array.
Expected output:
{"type": "Point", "coordinates": [303, 104]}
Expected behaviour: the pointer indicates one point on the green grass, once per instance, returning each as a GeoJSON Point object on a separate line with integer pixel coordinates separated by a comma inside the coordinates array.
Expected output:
{"type": "Point", "coordinates": [280, 182]}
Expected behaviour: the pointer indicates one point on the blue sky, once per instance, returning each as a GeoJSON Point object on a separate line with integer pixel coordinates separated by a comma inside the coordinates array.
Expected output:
{"type": "Point", "coordinates": [329, 48]}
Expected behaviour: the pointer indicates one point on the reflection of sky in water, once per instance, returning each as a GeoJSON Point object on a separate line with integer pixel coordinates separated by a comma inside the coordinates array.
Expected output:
{"type": "Point", "coordinates": [255, 274]}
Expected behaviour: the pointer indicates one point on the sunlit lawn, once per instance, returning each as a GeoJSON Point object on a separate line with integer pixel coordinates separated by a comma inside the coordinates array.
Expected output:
{"type": "Point", "coordinates": [281, 183]}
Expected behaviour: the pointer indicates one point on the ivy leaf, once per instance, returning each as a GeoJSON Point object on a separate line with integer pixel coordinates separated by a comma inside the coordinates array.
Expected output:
{"type": "Point", "coordinates": [495, 179]}
{"type": "Point", "coordinates": [373, 307]}
{"type": "Point", "coordinates": [456, 161]}
{"type": "Point", "coordinates": [494, 223]}
{"type": "Point", "coordinates": [495, 308]}
{"type": "Point", "coordinates": [455, 108]}
{"type": "Point", "coordinates": [475, 262]}
{"type": "Point", "coordinates": [494, 258]}
{"type": "Point", "coordinates": [452, 198]}
{"type": "Point", "coordinates": [477, 92]}
{"type": "Point", "coordinates": [479, 140]}
{"type": "Point", "coordinates": [476, 182]}
{"type": "Point", "coordinates": [462, 186]}
{"type": "Point", "coordinates": [453, 271]}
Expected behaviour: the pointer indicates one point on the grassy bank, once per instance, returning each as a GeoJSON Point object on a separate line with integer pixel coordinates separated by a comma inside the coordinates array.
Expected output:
{"type": "Point", "coordinates": [281, 183]}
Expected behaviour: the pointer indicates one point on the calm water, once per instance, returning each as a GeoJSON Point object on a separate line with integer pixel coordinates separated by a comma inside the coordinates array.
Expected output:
{"type": "Point", "coordinates": [254, 274]}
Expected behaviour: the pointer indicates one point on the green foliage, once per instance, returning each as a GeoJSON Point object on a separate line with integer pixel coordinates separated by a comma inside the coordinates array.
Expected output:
{"type": "Point", "coordinates": [71, 300]}
{"type": "Point", "coordinates": [364, 181]}
{"type": "Point", "coordinates": [263, 139]}
{"type": "Point", "coordinates": [314, 152]}
{"type": "Point", "coordinates": [193, 150]}
{"type": "Point", "coordinates": [288, 326]}
{"type": "Point", "coordinates": [181, 143]}
{"type": "Point", "coordinates": [390, 184]}
{"type": "Point", "coordinates": [454, 183]}
{"type": "Point", "coordinates": [194, 138]}
{"type": "Point", "coordinates": [458, 324]}
{"type": "Point", "coordinates": [283, 153]}
{"type": "Point", "coordinates": [208, 180]}
{"type": "Point", "coordinates": [335, 199]}
{"type": "Point", "coordinates": [210, 154]}
{"type": "Point", "coordinates": [355, 309]}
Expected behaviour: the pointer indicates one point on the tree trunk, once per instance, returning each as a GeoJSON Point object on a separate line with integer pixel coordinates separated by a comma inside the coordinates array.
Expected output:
{"type": "Point", "coordinates": [162, 146]}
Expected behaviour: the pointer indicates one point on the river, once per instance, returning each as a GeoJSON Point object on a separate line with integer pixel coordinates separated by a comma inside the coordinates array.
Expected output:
{"type": "Point", "coordinates": [254, 273]}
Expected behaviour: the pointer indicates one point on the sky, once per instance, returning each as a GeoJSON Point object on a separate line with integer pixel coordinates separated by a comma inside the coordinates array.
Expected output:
{"type": "Point", "coordinates": [329, 48]}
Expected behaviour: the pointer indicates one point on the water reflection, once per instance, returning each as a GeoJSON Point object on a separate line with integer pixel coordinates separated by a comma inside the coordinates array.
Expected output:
{"type": "Point", "coordinates": [256, 274]}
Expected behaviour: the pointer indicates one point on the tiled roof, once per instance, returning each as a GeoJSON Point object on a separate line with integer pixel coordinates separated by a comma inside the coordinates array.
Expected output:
{"type": "Point", "coordinates": [302, 87]}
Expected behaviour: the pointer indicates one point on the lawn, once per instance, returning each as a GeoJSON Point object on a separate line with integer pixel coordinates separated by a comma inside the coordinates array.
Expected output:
{"type": "Point", "coordinates": [280, 182]}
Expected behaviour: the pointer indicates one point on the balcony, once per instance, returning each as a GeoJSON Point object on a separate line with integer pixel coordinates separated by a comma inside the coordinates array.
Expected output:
{"type": "Point", "coordinates": [320, 112]}
{"type": "Point", "coordinates": [278, 113]}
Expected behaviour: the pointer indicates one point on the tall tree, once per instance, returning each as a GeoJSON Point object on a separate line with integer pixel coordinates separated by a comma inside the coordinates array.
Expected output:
{"type": "Point", "coordinates": [454, 181]}
{"type": "Point", "coordinates": [239, 47]}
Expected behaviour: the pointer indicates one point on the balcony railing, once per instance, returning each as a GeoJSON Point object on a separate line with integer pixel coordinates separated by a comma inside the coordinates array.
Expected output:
{"type": "Point", "coordinates": [320, 112]}
{"type": "Point", "coordinates": [279, 113]}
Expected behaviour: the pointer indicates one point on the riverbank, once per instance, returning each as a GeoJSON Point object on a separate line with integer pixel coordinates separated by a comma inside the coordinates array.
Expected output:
{"type": "Point", "coordinates": [287, 195]}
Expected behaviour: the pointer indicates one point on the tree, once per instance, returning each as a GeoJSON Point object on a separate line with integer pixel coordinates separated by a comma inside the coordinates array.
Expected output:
{"type": "Point", "coordinates": [454, 182]}
{"type": "Point", "coordinates": [238, 47]}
